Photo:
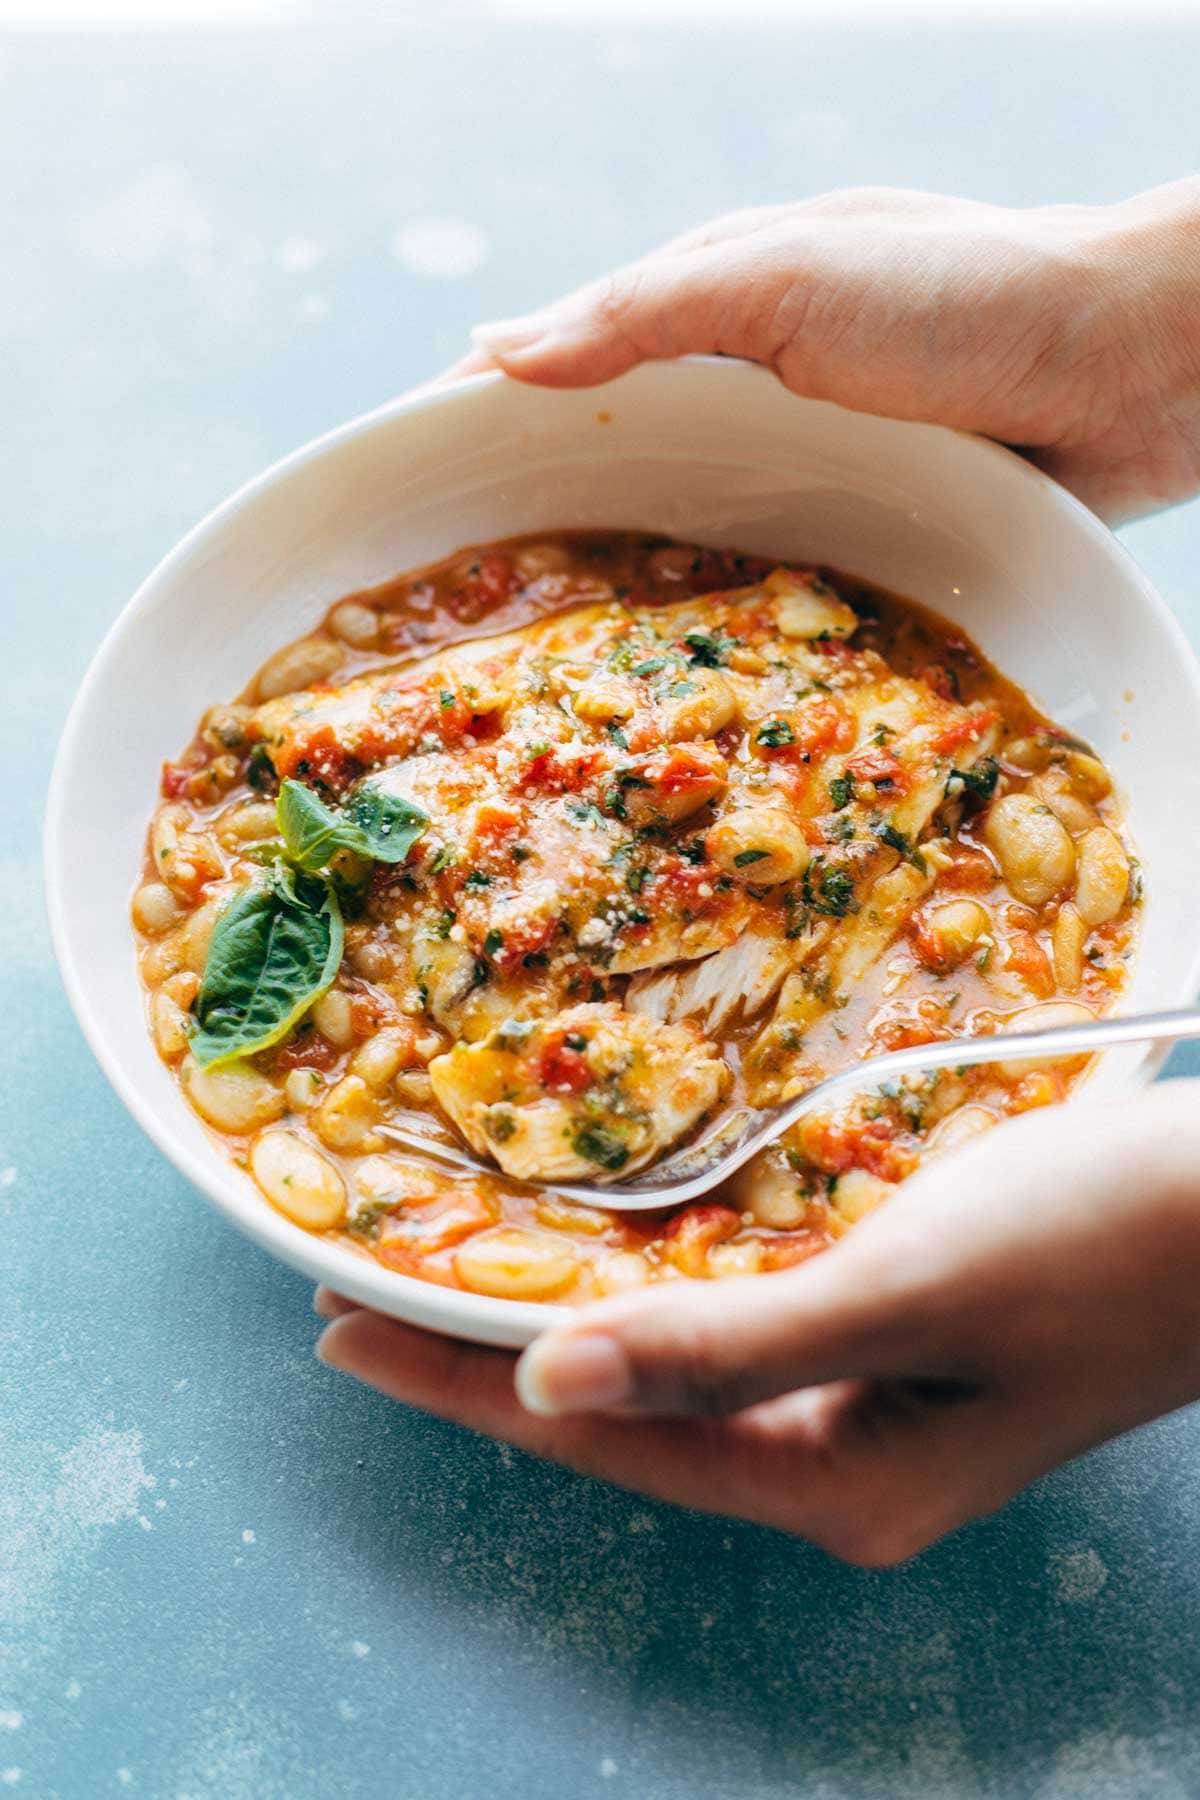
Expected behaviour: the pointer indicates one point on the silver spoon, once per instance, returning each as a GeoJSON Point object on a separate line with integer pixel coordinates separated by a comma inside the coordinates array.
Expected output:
{"type": "Point", "coordinates": [736, 1136]}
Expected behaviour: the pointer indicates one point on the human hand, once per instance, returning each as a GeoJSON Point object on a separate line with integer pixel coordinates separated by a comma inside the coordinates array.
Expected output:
{"type": "Point", "coordinates": [1017, 1302]}
{"type": "Point", "coordinates": [1070, 332]}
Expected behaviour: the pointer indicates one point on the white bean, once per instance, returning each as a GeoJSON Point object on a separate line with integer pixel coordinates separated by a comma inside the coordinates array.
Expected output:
{"type": "Point", "coordinates": [760, 845]}
{"type": "Point", "coordinates": [622, 1270]}
{"type": "Point", "coordinates": [960, 1127]}
{"type": "Point", "coordinates": [355, 624]}
{"type": "Point", "coordinates": [155, 908]}
{"type": "Point", "coordinates": [297, 1179]}
{"type": "Point", "coordinates": [1054, 790]}
{"type": "Point", "coordinates": [769, 1190]}
{"type": "Point", "coordinates": [347, 1115]}
{"type": "Point", "coordinates": [235, 1098]}
{"type": "Point", "coordinates": [247, 823]}
{"type": "Point", "coordinates": [701, 714]}
{"type": "Point", "coordinates": [1046, 1016]}
{"type": "Point", "coordinates": [1067, 941]}
{"type": "Point", "coordinates": [298, 666]}
{"type": "Point", "coordinates": [1102, 881]}
{"type": "Point", "coordinates": [957, 926]}
{"type": "Point", "coordinates": [1034, 849]}
{"type": "Point", "coordinates": [726, 1260]}
{"type": "Point", "coordinates": [381, 1056]}
{"type": "Point", "coordinates": [170, 1027]}
{"type": "Point", "coordinates": [333, 1018]}
{"type": "Point", "coordinates": [303, 1088]}
{"type": "Point", "coordinates": [1088, 775]}
{"type": "Point", "coordinates": [857, 1193]}
{"type": "Point", "coordinates": [195, 934]}
{"type": "Point", "coordinates": [513, 1262]}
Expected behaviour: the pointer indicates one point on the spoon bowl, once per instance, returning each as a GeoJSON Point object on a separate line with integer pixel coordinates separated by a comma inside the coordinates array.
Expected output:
{"type": "Point", "coordinates": [730, 1140]}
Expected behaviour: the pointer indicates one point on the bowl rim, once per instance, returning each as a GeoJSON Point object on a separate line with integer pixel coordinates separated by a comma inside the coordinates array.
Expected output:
{"type": "Point", "coordinates": [483, 1318]}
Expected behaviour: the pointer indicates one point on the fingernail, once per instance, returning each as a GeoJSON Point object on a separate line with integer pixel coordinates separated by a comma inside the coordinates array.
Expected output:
{"type": "Point", "coordinates": [508, 334]}
{"type": "Point", "coordinates": [579, 1372]}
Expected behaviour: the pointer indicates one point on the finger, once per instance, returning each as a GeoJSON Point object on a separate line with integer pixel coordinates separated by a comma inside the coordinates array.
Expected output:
{"type": "Point", "coordinates": [724, 297]}
{"type": "Point", "coordinates": [717, 1347]}
{"type": "Point", "coordinates": [330, 1305]}
{"type": "Point", "coordinates": [873, 1475]}
{"type": "Point", "coordinates": [690, 1462]}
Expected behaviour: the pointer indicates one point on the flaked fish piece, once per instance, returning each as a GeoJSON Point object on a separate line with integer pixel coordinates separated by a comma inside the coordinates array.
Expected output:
{"type": "Point", "coordinates": [594, 1092]}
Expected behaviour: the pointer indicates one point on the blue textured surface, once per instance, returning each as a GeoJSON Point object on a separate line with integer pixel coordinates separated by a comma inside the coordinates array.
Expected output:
{"type": "Point", "coordinates": [223, 1571]}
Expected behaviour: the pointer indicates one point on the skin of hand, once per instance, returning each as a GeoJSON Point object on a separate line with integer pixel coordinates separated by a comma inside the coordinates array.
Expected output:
{"type": "Point", "coordinates": [1069, 332]}
{"type": "Point", "coordinates": [1018, 1301]}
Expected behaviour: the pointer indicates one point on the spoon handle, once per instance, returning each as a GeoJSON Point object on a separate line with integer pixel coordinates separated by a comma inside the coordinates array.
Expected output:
{"type": "Point", "coordinates": [961, 1053]}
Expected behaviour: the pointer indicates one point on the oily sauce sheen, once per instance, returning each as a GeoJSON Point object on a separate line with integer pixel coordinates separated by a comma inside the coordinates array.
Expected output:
{"type": "Point", "coordinates": [686, 826]}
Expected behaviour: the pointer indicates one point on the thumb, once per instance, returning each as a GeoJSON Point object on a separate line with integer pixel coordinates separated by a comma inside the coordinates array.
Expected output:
{"type": "Point", "coordinates": [722, 297]}
{"type": "Point", "coordinates": [864, 1308]}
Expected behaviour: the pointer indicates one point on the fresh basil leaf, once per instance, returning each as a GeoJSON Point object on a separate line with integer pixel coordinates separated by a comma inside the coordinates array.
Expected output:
{"type": "Point", "coordinates": [381, 826]}
{"type": "Point", "coordinates": [389, 824]}
{"type": "Point", "coordinates": [312, 831]}
{"type": "Point", "coordinates": [276, 948]}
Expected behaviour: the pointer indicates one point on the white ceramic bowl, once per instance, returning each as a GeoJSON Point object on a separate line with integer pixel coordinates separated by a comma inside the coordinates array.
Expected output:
{"type": "Point", "coordinates": [708, 449]}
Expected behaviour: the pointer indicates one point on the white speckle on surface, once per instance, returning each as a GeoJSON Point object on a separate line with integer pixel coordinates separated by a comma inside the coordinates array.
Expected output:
{"type": "Point", "coordinates": [144, 1522]}
{"type": "Point", "coordinates": [1112, 1765]}
{"type": "Point", "coordinates": [248, 1536]}
{"type": "Point", "coordinates": [1078, 1575]}
{"type": "Point", "coordinates": [7, 1176]}
{"type": "Point", "coordinates": [11, 1721]}
{"type": "Point", "coordinates": [346, 1711]}
{"type": "Point", "coordinates": [50, 1520]}
{"type": "Point", "coordinates": [296, 256]}
{"type": "Point", "coordinates": [445, 249]}
{"type": "Point", "coordinates": [641, 1522]}
{"type": "Point", "coordinates": [11, 1776]}
{"type": "Point", "coordinates": [358, 1648]}
{"type": "Point", "coordinates": [102, 1478]}
{"type": "Point", "coordinates": [124, 1775]}
{"type": "Point", "coordinates": [312, 308]}
{"type": "Point", "coordinates": [608, 1767]}
{"type": "Point", "coordinates": [73, 1690]}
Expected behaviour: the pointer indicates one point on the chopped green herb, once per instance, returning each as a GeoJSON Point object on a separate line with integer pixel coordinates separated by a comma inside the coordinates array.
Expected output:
{"type": "Point", "coordinates": [709, 648]}
{"type": "Point", "coordinates": [887, 834]}
{"type": "Point", "coordinates": [493, 942]}
{"type": "Point", "coordinates": [446, 697]}
{"type": "Point", "coordinates": [478, 879]}
{"type": "Point", "coordinates": [828, 891]}
{"type": "Point", "coordinates": [586, 813]}
{"type": "Point", "coordinates": [499, 1124]}
{"type": "Point", "coordinates": [636, 879]}
{"type": "Point", "coordinates": [598, 1145]}
{"type": "Point", "coordinates": [443, 924]}
{"type": "Point", "coordinates": [575, 1040]}
{"type": "Point", "coordinates": [260, 770]}
{"type": "Point", "coordinates": [774, 734]}
{"type": "Point", "coordinates": [841, 792]}
{"type": "Point", "coordinates": [744, 858]}
{"type": "Point", "coordinates": [651, 666]}
{"type": "Point", "coordinates": [979, 780]}
{"type": "Point", "coordinates": [617, 735]}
